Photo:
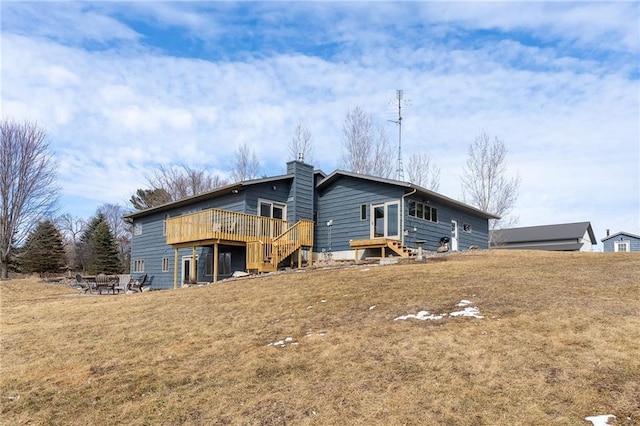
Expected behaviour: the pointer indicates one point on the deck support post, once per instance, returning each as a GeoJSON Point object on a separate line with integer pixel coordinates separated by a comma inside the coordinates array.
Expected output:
{"type": "Point", "coordinates": [356, 251]}
{"type": "Point", "coordinates": [193, 274]}
{"type": "Point", "coordinates": [300, 258]}
{"type": "Point", "coordinates": [215, 262]}
{"type": "Point", "coordinates": [175, 268]}
{"type": "Point", "coordinates": [382, 248]}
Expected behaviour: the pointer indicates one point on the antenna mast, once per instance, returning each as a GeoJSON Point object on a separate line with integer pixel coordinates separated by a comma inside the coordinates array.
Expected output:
{"type": "Point", "coordinates": [400, 169]}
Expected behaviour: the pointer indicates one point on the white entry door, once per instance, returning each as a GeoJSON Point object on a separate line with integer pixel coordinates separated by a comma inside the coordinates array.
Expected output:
{"type": "Point", "coordinates": [454, 235]}
{"type": "Point", "coordinates": [385, 220]}
{"type": "Point", "coordinates": [186, 268]}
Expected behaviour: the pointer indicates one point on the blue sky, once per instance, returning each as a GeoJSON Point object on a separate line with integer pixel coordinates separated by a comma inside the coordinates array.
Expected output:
{"type": "Point", "coordinates": [123, 87]}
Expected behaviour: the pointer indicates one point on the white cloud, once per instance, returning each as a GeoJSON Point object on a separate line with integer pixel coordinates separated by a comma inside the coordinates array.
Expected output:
{"type": "Point", "coordinates": [570, 122]}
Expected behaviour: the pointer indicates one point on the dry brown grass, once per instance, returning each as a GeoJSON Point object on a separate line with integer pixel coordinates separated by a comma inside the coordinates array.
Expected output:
{"type": "Point", "coordinates": [560, 341]}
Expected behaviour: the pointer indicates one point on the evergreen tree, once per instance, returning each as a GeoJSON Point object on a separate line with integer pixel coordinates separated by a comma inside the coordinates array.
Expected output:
{"type": "Point", "coordinates": [104, 251]}
{"type": "Point", "coordinates": [43, 252]}
{"type": "Point", "coordinates": [97, 249]}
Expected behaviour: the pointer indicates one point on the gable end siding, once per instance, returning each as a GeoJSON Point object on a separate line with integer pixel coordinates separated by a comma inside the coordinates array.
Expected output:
{"type": "Point", "coordinates": [608, 245]}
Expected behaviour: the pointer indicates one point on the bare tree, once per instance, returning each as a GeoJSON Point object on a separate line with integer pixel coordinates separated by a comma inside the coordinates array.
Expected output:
{"type": "Point", "coordinates": [28, 191]}
{"type": "Point", "coordinates": [423, 171]}
{"type": "Point", "coordinates": [147, 198]}
{"type": "Point", "coordinates": [301, 145]}
{"type": "Point", "coordinates": [181, 182]}
{"type": "Point", "coordinates": [485, 183]}
{"type": "Point", "coordinates": [247, 165]}
{"type": "Point", "coordinates": [381, 164]}
{"type": "Point", "coordinates": [71, 227]}
{"type": "Point", "coordinates": [363, 150]}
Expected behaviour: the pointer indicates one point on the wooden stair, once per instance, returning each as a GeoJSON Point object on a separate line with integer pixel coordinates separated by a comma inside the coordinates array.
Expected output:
{"type": "Point", "coordinates": [382, 243]}
{"type": "Point", "coordinates": [266, 256]}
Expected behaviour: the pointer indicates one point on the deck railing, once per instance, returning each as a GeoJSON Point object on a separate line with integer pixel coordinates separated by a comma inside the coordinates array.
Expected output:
{"type": "Point", "coordinates": [263, 255]}
{"type": "Point", "coordinates": [214, 224]}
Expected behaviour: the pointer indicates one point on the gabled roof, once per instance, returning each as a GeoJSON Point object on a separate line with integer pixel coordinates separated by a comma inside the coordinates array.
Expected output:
{"type": "Point", "coordinates": [546, 233]}
{"type": "Point", "coordinates": [628, 234]}
{"type": "Point", "coordinates": [407, 186]}
{"type": "Point", "coordinates": [207, 195]}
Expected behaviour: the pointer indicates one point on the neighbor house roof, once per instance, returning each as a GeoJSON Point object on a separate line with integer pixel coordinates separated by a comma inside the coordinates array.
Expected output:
{"type": "Point", "coordinates": [628, 234]}
{"type": "Point", "coordinates": [561, 237]}
{"type": "Point", "coordinates": [409, 187]}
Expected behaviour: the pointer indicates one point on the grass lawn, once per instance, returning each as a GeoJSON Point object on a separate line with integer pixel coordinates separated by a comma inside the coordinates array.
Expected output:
{"type": "Point", "coordinates": [555, 338]}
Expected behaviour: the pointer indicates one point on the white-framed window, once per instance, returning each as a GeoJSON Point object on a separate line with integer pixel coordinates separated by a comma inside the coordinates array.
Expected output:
{"type": "Point", "coordinates": [272, 209]}
{"type": "Point", "coordinates": [137, 229]}
{"type": "Point", "coordinates": [466, 227]}
{"type": "Point", "coordinates": [423, 211]}
{"type": "Point", "coordinates": [138, 265]}
{"type": "Point", "coordinates": [622, 246]}
{"type": "Point", "coordinates": [363, 211]}
{"type": "Point", "coordinates": [165, 264]}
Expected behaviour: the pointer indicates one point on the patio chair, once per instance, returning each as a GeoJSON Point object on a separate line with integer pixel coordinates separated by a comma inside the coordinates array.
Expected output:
{"type": "Point", "coordinates": [105, 282]}
{"type": "Point", "coordinates": [136, 285]}
{"type": "Point", "coordinates": [81, 284]}
{"type": "Point", "coordinates": [123, 283]}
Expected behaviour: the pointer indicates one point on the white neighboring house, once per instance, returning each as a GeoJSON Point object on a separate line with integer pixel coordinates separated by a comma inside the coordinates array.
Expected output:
{"type": "Point", "coordinates": [621, 242]}
{"type": "Point", "coordinates": [559, 237]}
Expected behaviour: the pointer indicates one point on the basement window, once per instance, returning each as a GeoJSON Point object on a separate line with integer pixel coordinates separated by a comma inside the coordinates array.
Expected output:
{"type": "Point", "coordinates": [138, 265]}
{"type": "Point", "coordinates": [466, 228]}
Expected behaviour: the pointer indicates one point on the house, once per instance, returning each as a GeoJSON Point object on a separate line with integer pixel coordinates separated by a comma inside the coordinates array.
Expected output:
{"type": "Point", "coordinates": [301, 216]}
{"type": "Point", "coordinates": [559, 237]}
{"type": "Point", "coordinates": [621, 241]}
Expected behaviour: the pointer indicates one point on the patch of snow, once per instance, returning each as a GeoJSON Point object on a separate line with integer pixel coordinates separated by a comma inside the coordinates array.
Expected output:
{"type": "Point", "coordinates": [372, 307]}
{"type": "Point", "coordinates": [323, 301]}
{"type": "Point", "coordinates": [467, 312]}
{"type": "Point", "coordinates": [283, 343]}
{"type": "Point", "coordinates": [365, 269]}
{"type": "Point", "coordinates": [602, 420]}
{"type": "Point", "coordinates": [240, 274]}
{"type": "Point", "coordinates": [422, 315]}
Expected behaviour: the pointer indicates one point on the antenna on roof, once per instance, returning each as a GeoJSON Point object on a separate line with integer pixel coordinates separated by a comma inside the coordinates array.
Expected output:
{"type": "Point", "coordinates": [400, 167]}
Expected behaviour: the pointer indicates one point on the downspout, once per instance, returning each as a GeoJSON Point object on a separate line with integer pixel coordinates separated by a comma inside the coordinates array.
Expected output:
{"type": "Point", "coordinates": [402, 215]}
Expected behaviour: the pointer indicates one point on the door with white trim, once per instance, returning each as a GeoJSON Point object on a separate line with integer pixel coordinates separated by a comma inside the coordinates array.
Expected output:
{"type": "Point", "coordinates": [385, 220]}
{"type": "Point", "coordinates": [186, 268]}
{"type": "Point", "coordinates": [454, 235]}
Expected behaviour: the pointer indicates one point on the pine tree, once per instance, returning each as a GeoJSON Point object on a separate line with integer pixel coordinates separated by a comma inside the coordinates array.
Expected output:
{"type": "Point", "coordinates": [104, 251]}
{"type": "Point", "coordinates": [43, 252]}
{"type": "Point", "coordinates": [97, 249]}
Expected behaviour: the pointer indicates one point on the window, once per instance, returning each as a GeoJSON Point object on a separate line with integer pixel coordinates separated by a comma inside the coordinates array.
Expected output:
{"type": "Point", "coordinates": [423, 211]}
{"type": "Point", "coordinates": [466, 228]}
{"type": "Point", "coordinates": [363, 212]}
{"type": "Point", "coordinates": [138, 265]}
{"type": "Point", "coordinates": [272, 209]}
{"type": "Point", "coordinates": [224, 264]}
{"type": "Point", "coordinates": [165, 264]}
{"type": "Point", "coordinates": [620, 246]}
{"type": "Point", "coordinates": [137, 229]}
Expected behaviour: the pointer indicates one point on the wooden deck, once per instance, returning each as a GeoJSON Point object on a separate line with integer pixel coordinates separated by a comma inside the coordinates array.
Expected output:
{"type": "Point", "coordinates": [268, 241]}
{"type": "Point", "coordinates": [383, 244]}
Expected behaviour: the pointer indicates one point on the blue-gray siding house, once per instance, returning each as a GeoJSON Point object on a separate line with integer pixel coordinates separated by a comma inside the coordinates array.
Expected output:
{"type": "Point", "coordinates": [262, 224]}
{"type": "Point", "coordinates": [621, 242]}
